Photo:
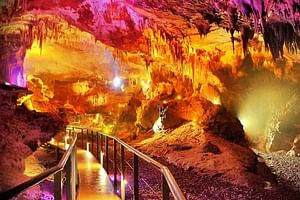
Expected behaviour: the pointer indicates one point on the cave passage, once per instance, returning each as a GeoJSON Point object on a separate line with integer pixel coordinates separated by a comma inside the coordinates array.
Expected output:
{"type": "Point", "coordinates": [209, 89]}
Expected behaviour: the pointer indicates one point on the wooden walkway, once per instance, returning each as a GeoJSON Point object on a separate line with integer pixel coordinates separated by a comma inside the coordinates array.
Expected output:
{"type": "Point", "coordinates": [93, 180]}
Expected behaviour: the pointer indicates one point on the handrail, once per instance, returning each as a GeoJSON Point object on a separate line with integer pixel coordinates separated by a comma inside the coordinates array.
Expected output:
{"type": "Point", "coordinates": [170, 180]}
{"type": "Point", "coordinates": [40, 177]}
{"type": "Point", "coordinates": [138, 153]}
{"type": "Point", "coordinates": [175, 190]}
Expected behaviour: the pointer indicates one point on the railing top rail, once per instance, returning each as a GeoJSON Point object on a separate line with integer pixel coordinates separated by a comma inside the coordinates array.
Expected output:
{"type": "Point", "coordinates": [174, 188]}
{"type": "Point", "coordinates": [138, 153]}
{"type": "Point", "coordinates": [40, 177]}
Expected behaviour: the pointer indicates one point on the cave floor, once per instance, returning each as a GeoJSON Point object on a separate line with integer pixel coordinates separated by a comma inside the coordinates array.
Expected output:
{"type": "Point", "coordinates": [94, 182]}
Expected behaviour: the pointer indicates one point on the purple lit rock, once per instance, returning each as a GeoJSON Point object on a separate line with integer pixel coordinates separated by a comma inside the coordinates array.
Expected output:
{"type": "Point", "coordinates": [21, 132]}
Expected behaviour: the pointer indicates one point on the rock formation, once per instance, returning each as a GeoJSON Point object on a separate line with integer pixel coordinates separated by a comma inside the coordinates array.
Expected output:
{"type": "Point", "coordinates": [22, 131]}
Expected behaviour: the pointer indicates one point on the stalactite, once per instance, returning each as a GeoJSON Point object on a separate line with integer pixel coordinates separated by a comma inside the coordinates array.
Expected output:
{"type": "Point", "coordinates": [279, 34]}
{"type": "Point", "coordinates": [232, 38]}
{"type": "Point", "coordinates": [40, 33]}
{"type": "Point", "coordinates": [192, 60]}
{"type": "Point", "coordinates": [276, 20]}
{"type": "Point", "coordinates": [247, 34]}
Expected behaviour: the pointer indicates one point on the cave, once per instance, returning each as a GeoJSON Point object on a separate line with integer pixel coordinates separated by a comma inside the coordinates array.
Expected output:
{"type": "Point", "coordinates": [202, 95]}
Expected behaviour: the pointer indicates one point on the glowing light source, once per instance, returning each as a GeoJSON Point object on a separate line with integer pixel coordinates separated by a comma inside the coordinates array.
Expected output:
{"type": "Point", "coordinates": [120, 105]}
{"type": "Point", "coordinates": [145, 85]}
{"type": "Point", "coordinates": [243, 122]}
{"type": "Point", "coordinates": [21, 80]}
{"type": "Point", "coordinates": [248, 123]}
{"type": "Point", "coordinates": [88, 146]}
{"type": "Point", "coordinates": [122, 88]}
{"type": "Point", "coordinates": [216, 101]}
{"type": "Point", "coordinates": [106, 130]}
{"type": "Point", "coordinates": [178, 97]}
{"type": "Point", "coordinates": [52, 141]}
{"type": "Point", "coordinates": [123, 187]}
{"type": "Point", "coordinates": [101, 158]}
{"type": "Point", "coordinates": [117, 82]}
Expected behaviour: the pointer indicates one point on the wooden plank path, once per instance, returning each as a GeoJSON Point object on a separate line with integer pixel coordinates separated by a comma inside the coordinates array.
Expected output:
{"type": "Point", "coordinates": [93, 180]}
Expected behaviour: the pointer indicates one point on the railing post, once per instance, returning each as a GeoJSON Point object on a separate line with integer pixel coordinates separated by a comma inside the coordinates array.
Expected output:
{"type": "Point", "coordinates": [106, 154]}
{"type": "Point", "coordinates": [87, 138]}
{"type": "Point", "coordinates": [76, 167]}
{"type": "Point", "coordinates": [115, 165]}
{"type": "Point", "coordinates": [92, 132]}
{"type": "Point", "coordinates": [68, 179]}
{"type": "Point", "coordinates": [73, 131]}
{"type": "Point", "coordinates": [65, 142]}
{"type": "Point", "coordinates": [101, 149]}
{"type": "Point", "coordinates": [70, 133]}
{"type": "Point", "coordinates": [58, 186]}
{"type": "Point", "coordinates": [57, 152]}
{"type": "Point", "coordinates": [82, 146]}
{"type": "Point", "coordinates": [135, 177]}
{"type": "Point", "coordinates": [123, 186]}
{"type": "Point", "coordinates": [164, 188]}
{"type": "Point", "coordinates": [97, 146]}
{"type": "Point", "coordinates": [73, 172]}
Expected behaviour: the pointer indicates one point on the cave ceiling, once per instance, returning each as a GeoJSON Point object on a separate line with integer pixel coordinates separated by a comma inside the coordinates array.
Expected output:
{"type": "Point", "coordinates": [122, 24]}
{"type": "Point", "coordinates": [211, 42]}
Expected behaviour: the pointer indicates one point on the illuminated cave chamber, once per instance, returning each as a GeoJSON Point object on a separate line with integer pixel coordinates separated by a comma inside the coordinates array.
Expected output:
{"type": "Point", "coordinates": [132, 68]}
{"type": "Point", "coordinates": [68, 68]}
{"type": "Point", "coordinates": [165, 60]}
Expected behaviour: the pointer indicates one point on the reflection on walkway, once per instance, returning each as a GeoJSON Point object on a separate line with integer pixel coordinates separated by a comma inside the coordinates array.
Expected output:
{"type": "Point", "coordinates": [94, 182]}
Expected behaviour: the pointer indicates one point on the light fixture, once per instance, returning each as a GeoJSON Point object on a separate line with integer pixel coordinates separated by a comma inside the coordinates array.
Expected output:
{"type": "Point", "coordinates": [117, 82]}
{"type": "Point", "coordinates": [87, 146]}
{"type": "Point", "coordinates": [101, 158]}
{"type": "Point", "coordinates": [179, 97]}
{"type": "Point", "coordinates": [244, 122]}
{"type": "Point", "coordinates": [106, 130]}
{"type": "Point", "coordinates": [216, 101]}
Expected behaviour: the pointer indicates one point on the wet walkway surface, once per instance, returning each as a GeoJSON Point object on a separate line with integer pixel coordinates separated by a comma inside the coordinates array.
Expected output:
{"type": "Point", "coordinates": [94, 182]}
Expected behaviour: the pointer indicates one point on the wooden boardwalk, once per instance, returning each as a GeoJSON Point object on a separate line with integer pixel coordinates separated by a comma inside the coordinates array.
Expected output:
{"type": "Point", "coordinates": [93, 180]}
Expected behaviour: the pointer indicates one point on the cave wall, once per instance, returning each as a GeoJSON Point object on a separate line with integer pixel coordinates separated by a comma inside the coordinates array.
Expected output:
{"type": "Point", "coordinates": [22, 131]}
{"type": "Point", "coordinates": [211, 48]}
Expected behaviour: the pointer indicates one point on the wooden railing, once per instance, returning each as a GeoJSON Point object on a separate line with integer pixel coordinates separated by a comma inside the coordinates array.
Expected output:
{"type": "Point", "coordinates": [68, 162]}
{"type": "Point", "coordinates": [91, 137]}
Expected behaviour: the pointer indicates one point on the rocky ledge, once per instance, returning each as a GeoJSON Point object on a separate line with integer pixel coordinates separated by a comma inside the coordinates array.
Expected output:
{"type": "Point", "coordinates": [22, 131]}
